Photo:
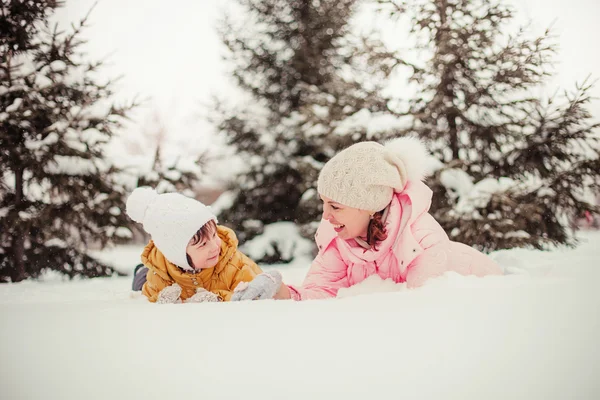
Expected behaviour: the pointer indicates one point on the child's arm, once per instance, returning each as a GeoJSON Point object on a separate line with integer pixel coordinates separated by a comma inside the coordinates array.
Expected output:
{"type": "Point", "coordinates": [153, 286]}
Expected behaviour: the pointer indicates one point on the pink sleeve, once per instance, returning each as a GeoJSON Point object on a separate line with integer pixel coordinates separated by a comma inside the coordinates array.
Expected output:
{"type": "Point", "coordinates": [430, 264]}
{"type": "Point", "coordinates": [433, 261]}
{"type": "Point", "coordinates": [327, 275]}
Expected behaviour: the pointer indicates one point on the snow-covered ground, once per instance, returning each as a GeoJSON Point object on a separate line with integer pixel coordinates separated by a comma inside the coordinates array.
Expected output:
{"type": "Point", "coordinates": [528, 335]}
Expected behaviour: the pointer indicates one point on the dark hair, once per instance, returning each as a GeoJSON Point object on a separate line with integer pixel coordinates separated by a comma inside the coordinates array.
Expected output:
{"type": "Point", "coordinates": [204, 232]}
{"type": "Point", "coordinates": [201, 234]}
{"type": "Point", "coordinates": [376, 230]}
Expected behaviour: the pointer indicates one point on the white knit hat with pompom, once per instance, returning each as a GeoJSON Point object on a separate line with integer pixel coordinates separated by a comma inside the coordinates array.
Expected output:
{"type": "Point", "coordinates": [366, 174]}
{"type": "Point", "coordinates": [171, 219]}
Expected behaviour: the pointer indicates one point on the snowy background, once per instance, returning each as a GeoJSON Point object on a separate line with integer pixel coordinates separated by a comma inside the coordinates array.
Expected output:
{"type": "Point", "coordinates": [171, 57]}
{"type": "Point", "coordinates": [528, 335]}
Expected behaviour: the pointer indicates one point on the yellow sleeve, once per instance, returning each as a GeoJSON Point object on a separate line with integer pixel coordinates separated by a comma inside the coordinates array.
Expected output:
{"type": "Point", "coordinates": [250, 264]}
{"type": "Point", "coordinates": [154, 284]}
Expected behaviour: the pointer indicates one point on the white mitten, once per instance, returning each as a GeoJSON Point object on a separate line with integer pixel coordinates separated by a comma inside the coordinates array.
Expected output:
{"type": "Point", "coordinates": [264, 286]}
{"type": "Point", "coordinates": [169, 295]}
{"type": "Point", "coordinates": [202, 295]}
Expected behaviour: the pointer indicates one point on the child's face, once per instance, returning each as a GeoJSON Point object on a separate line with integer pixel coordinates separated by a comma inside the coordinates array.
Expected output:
{"type": "Point", "coordinates": [205, 253]}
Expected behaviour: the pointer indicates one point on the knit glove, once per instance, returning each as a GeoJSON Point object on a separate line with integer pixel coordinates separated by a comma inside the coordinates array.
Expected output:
{"type": "Point", "coordinates": [202, 296]}
{"type": "Point", "coordinates": [169, 295]}
{"type": "Point", "coordinates": [264, 286]}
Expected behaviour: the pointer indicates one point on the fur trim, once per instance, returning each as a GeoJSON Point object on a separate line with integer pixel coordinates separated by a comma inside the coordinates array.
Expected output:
{"type": "Point", "coordinates": [413, 154]}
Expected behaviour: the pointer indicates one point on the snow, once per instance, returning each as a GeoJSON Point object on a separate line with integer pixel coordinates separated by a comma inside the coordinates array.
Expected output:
{"type": "Point", "coordinates": [15, 105]}
{"type": "Point", "coordinates": [309, 194]}
{"type": "Point", "coordinates": [98, 110]}
{"type": "Point", "coordinates": [188, 165]}
{"type": "Point", "coordinates": [55, 243]}
{"type": "Point", "coordinates": [320, 111]}
{"type": "Point", "coordinates": [76, 76]}
{"type": "Point", "coordinates": [481, 193]}
{"type": "Point", "coordinates": [517, 234]}
{"type": "Point", "coordinates": [528, 335]}
{"type": "Point", "coordinates": [165, 187]}
{"type": "Point", "coordinates": [281, 235]}
{"type": "Point", "coordinates": [40, 191]}
{"type": "Point", "coordinates": [316, 130]}
{"type": "Point", "coordinates": [223, 202]}
{"type": "Point", "coordinates": [58, 66]}
{"type": "Point", "coordinates": [75, 166]}
{"type": "Point", "coordinates": [123, 232]}
{"type": "Point", "coordinates": [173, 174]}
{"type": "Point", "coordinates": [24, 215]}
{"type": "Point", "coordinates": [92, 136]}
{"type": "Point", "coordinates": [24, 64]}
{"type": "Point", "coordinates": [114, 211]}
{"type": "Point", "coordinates": [42, 81]}
{"type": "Point", "coordinates": [457, 181]}
{"type": "Point", "coordinates": [50, 139]}
{"type": "Point", "coordinates": [372, 123]}
{"type": "Point", "coordinates": [473, 196]}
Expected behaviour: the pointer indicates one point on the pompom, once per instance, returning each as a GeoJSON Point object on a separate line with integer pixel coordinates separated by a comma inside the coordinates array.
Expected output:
{"type": "Point", "coordinates": [413, 154]}
{"type": "Point", "coordinates": [138, 202]}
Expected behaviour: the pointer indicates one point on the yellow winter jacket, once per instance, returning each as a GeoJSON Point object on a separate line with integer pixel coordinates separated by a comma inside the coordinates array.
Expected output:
{"type": "Point", "coordinates": [233, 267]}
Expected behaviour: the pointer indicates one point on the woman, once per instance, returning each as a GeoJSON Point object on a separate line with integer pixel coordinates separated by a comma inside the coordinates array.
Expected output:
{"type": "Point", "coordinates": [376, 221]}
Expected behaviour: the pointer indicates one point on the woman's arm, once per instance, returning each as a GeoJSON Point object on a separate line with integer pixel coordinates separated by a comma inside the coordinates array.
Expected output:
{"type": "Point", "coordinates": [328, 274]}
{"type": "Point", "coordinates": [283, 293]}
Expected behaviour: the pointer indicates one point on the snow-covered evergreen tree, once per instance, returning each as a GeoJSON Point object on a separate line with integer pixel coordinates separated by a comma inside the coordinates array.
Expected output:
{"type": "Point", "coordinates": [312, 91]}
{"type": "Point", "coordinates": [58, 194]}
{"type": "Point", "coordinates": [179, 172]}
{"type": "Point", "coordinates": [517, 168]}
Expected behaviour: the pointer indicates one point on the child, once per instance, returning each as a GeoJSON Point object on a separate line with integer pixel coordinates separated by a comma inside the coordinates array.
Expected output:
{"type": "Point", "coordinates": [190, 258]}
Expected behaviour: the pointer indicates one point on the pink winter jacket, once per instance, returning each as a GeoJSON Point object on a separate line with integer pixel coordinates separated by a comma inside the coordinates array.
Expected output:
{"type": "Point", "coordinates": [416, 249]}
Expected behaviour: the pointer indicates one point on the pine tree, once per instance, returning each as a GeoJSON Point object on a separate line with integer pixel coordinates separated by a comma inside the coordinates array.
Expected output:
{"type": "Point", "coordinates": [58, 194]}
{"type": "Point", "coordinates": [312, 92]}
{"type": "Point", "coordinates": [181, 173]}
{"type": "Point", "coordinates": [517, 167]}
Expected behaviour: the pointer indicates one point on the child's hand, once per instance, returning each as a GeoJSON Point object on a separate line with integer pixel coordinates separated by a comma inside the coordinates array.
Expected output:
{"type": "Point", "coordinates": [202, 295]}
{"type": "Point", "coordinates": [241, 286]}
{"type": "Point", "coordinates": [169, 295]}
{"type": "Point", "coordinates": [264, 286]}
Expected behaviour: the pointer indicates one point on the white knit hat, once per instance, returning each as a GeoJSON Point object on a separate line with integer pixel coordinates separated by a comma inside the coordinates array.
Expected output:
{"type": "Point", "coordinates": [366, 174]}
{"type": "Point", "coordinates": [171, 219]}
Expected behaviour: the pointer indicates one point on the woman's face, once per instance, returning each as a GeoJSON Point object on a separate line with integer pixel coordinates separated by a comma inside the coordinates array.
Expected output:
{"type": "Point", "coordinates": [348, 222]}
{"type": "Point", "coordinates": [205, 253]}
